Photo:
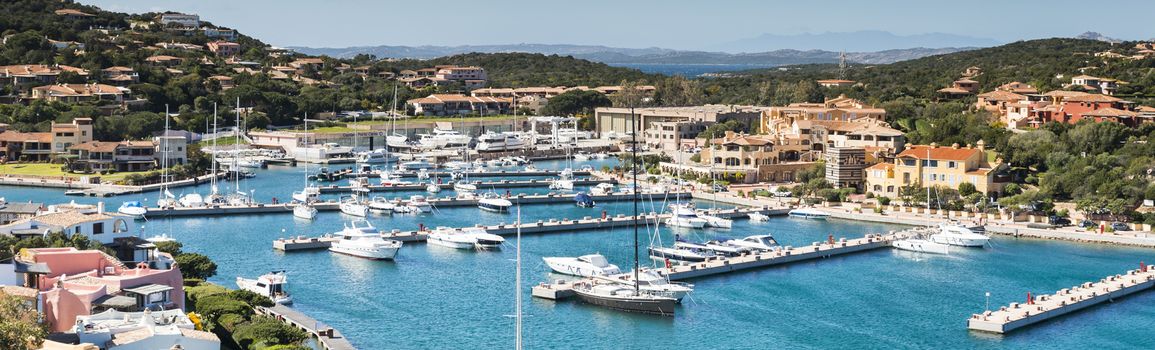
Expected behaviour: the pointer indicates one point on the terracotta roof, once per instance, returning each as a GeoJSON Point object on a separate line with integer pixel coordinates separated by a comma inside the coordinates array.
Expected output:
{"type": "Point", "coordinates": [444, 98]}
{"type": "Point", "coordinates": [954, 90]}
{"type": "Point", "coordinates": [1111, 112]}
{"type": "Point", "coordinates": [97, 146]}
{"type": "Point", "coordinates": [162, 58]}
{"type": "Point", "coordinates": [881, 166]}
{"type": "Point", "coordinates": [72, 12]}
{"type": "Point", "coordinates": [1064, 93]}
{"type": "Point", "coordinates": [68, 218]}
{"type": "Point", "coordinates": [835, 81]}
{"type": "Point", "coordinates": [79, 89]}
{"type": "Point", "coordinates": [966, 81]}
{"type": "Point", "coordinates": [743, 140]}
{"type": "Point", "coordinates": [1092, 98]}
{"type": "Point", "coordinates": [849, 127]}
{"type": "Point", "coordinates": [1000, 95]}
{"type": "Point", "coordinates": [16, 136]}
{"type": "Point", "coordinates": [39, 69]}
{"type": "Point", "coordinates": [938, 153]}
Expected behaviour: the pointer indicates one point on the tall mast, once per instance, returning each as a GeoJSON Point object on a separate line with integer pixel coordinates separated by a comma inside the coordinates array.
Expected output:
{"type": "Point", "coordinates": [164, 156]}
{"type": "Point", "coordinates": [214, 166]}
{"type": "Point", "coordinates": [237, 149]}
{"type": "Point", "coordinates": [634, 170]}
{"type": "Point", "coordinates": [305, 117]}
{"type": "Point", "coordinates": [518, 288]}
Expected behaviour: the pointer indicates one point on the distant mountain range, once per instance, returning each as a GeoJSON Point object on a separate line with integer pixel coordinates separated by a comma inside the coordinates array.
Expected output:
{"type": "Point", "coordinates": [614, 55]}
{"type": "Point", "coordinates": [859, 41]}
{"type": "Point", "coordinates": [1099, 37]}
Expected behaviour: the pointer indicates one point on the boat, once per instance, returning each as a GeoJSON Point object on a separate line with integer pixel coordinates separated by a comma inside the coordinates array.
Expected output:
{"type": "Point", "coordinates": [530, 168]}
{"type": "Point", "coordinates": [433, 188]}
{"type": "Point", "coordinates": [443, 139]}
{"type": "Point", "coordinates": [715, 248]}
{"type": "Point", "coordinates": [683, 215]}
{"type": "Point", "coordinates": [602, 189]}
{"type": "Point", "coordinates": [456, 165]}
{"type": "Point", "coordinates": [582, 266]}
{"type": "Point", "coordinates": [921, 246]}
{"type": "Point", "coordinates": [393, 179]}
{"type": "Point", "coordinates": [251, 163]}
{"type": "Point", "coordinates": [308, 194]}
{"type": "Point", "coordinates": [495, 163]}
{"type": "Point", "coordinates": [758, 217]}
{"type": "Point", "coordinates": [671, 254]}
{"type": "Point", "coordinates": [353, 206]}
{"type": "Point", "coordinates": [657, 284]}
{"type": "Point", "coordinates": [581, 157]}
{"type": "Point", "coordinates": [191, 200]}
{"type": "Point", "coordinates": [160, 238]}
{"type": "Point", "coordinates": [133, 209]}
{"type": "Point", "coordinates": [381, 205]}
{"type": "Point", "coordinates": [958, 235]}
{"type": "Point", "coordinates": [809, 213]}
{"type": "Point", "coordinates": [304, 211]}
{"type": "Point", "coordinates": [717, 221]}
{"type": "Point", "coordinates": [584, 200]}
{"type": "Point", "coordinates": [417, 164]}
{"type": "Point", "coordinates": [379, 156]}
{"type": "Point", "coordinates": [494, 203]}
{"type": "Point", "coordinates": [359, 183]}
{"type": "Point", "coordinates": [498, 142]}
{"type": "Point", "coordinates": [361, 239]}
{"type": "Point", "coordinates": [325, 175]}
{"type": "Point", "coordinates": [625, 298]}
{"type": "Point", "coordinates": [462, 187]}
{"type": "Point", "coordinates": [423, 174]}
{"type": "Point", "coordinates": [75, 193]}
{"type": "Point", "coordinates": [418, 204]}
{"type": "Point", "coordinates": [561, 184]}
{"type": "Point", "coordinates": [468, 238]}
{"type": "Point", "coordinates": [756, 242]}
{"type": "Point", "coordinates": [270, 285]}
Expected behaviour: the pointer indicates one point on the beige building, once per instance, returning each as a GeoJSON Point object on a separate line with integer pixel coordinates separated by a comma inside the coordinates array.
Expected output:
{"type": "Point", "coordinates": [64, 135]}
{"type": "Point", "coordinates": [935, 166]}
{"type": "Point", "coordinates": [676, 122]}
{"type": "Point", "coordinates": [845, 166]}
{"type": "Point", "coordinates": [866, 133]}
{"type": "Point", "coordinates": [842, 108]}
{"type": "Point", "coordinates": [753, 158]}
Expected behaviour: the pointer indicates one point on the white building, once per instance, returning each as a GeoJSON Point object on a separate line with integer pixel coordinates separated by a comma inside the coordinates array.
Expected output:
{"type": "Point", "coordinates": [173, 147]}
{"type": "Point", "coordinates": [186, 21]}
{"type": "Point", "coordinates": [90, 221]}
{"type": "Point", "coordinates": [147, 330]}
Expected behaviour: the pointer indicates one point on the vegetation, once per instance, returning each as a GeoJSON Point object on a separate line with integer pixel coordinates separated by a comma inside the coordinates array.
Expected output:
{"type": "Point", "coordinates": [192, 265]}
{"type": "Point", "coordinates": [230, 315]}
{"type": "Point", "coordinates": [21, 327]}
{"type": "Point", "coordinates": [10, 245]}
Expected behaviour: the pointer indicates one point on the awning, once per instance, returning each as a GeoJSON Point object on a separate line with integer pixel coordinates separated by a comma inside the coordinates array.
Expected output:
{"type": "Point", "coordinates": [115, 301]}
{"type": "Point", "coordinates": [23, 267]}
{"type": "Point", "coordinates": [148, 289]}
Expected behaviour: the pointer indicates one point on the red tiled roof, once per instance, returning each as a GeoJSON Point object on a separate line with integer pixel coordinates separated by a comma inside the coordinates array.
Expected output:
{"type": "Point", "coordinates": [938, 153]}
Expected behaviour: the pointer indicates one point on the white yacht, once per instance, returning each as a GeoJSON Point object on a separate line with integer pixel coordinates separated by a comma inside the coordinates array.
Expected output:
{"type": "Point", "coordinates": [717, 221]}
{"type": "Point", "coordinates": [392, 179]}
{"type": "Point", "coordinates": [456, 165]}
{"type": "Point", "coordinates": [379, 156]}
{"type": "Point", "coordinates": [381, 205]}
{"type": "Point", "coordinates": [494, 203]}
{"type": "Point", "coordinates": [602, 189]}
{"type": "Point", "coordinates": [432, 187]}
{"type": "Point", "coordinates": [498, 142]}
{"type": "Point", "coordinates": [656, 284]}
{"type": "Point", "coordinates": [418, 204]}
{"type": "Point", "coordinates": [758, 217]}
{"type": "Point", "coordinates": [671, 255]}
{"type": "Point", "coordinates": [582, 266]}
{"type": "Point", "coordinates": [921, 246]}
{"type": "Point", "coordinates": [132, 208]}
{"type": "Point", "coordinates": [809, 213]}
{"type": "Point", "coordinates": [353, 206]}
{"type": "Point", "coordinates": [443, 139]}
{"type": "Point", "coordinates": [270, 285]}
{"type": "Point", "coordinates": [361, 239]}
{"type": "Point", "coordinates": [191, 200]}
{"type": "Point", "coordinates": [468, 238]}
{"type": "Point", "coordinates": [463, 187]}
{"type": "Point", "coordinates": [581, 157]}
{"type": "Point", "coordinates": [304, 211]}
{"type": "Point", "coordinates": [683, 215]}
{"type": "Point", "coordinates": [307, 195]}
{"type": "Point", "coordinates": [418, 164]}
{"type": "Point", "coordinates": [756, 242]}
{"type": "Point", "coordinates": [958, 235]}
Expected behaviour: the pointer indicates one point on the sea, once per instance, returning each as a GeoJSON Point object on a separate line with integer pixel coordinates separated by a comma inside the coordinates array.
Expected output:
{"type": "Point", "coordinates": [433, 297]}
{"type": "Point", "coordinates": [690, 70]}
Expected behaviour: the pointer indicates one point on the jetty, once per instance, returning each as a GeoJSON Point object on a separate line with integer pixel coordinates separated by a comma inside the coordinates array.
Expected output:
{"type": "Point", "coordinates": [498, 173]}
{"type": "Point", "coordinates": [449, 185]}
{"type": "Point", "coordinates": [329, 338]}
{"type": "Point", "coordinates": [1041, 308]}
{"type": "Point", "coordinates": [539, 227]}
{"type": "Point", "coordinates": [444, 202]}
{"type": "Point", "coordinates": [563, 289]}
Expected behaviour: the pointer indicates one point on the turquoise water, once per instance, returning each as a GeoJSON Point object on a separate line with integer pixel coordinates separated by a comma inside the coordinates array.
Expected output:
{"type": "Point", "coordinates": [440, 298]}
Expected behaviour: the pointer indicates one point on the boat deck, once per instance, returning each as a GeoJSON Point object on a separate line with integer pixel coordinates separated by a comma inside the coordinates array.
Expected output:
{"type": "Point", "coordinates": [1067, 300]}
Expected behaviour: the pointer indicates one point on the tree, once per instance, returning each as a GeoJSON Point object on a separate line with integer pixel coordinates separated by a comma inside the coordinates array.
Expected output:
{"type": "Point", "coordinates": [265, 331]}
{"type": "Point", "coordinates": [194, 265]}
{"type": "Point", "coordinates": [576, 102]}
{"type": "Point", "coordinates": [966, 189]}
{"type": "Point", "coordinates": [171, 247]}
{"type": "Point", "coordinates": [20, 325]}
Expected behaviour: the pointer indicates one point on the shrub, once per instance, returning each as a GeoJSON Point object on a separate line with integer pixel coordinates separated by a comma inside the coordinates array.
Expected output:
{"type": "Point", "coordinates": [266, 331]}
{"type": "Point", "coordinates": [883, 200]}
{"type": "Point", "coordinates": [966, 189]}
{"type": "Point", "coordinates": [253, 299]}
{"type": "Point", "coordinates": [193, 265]}
{"type": "Point", "coordinates": [215, 306]}
{"type": "Point", "coordinates": [230, 321]}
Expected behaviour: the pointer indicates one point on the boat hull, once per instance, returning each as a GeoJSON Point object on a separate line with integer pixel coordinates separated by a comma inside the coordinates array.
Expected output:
{"type": "Point", "coordinates": [449, 243]}
{"type": "Point", "coordinates": [374, 254]}
{"type": "Point", "coordinates": [662, 306]}
{"type": "Point", "coordinates": [959, 241]}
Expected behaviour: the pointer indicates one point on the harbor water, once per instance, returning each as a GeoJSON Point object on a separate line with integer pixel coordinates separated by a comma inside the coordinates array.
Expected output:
{"type": "Point", "coordinates": [434, 297]}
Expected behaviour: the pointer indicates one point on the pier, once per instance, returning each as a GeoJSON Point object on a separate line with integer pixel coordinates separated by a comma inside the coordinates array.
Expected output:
{"type": "Point", "coordinates": [444, 202]}
{"type": "Point", "coordinates": [564, 289]}
{"type": "Point", "coordinates": [329, 338]}
{"type": "Point", "coordinates": [1067, 300]}
{"type": "Point", "coordinates": [499, 173]}
{"type": "Point", "coordinates": [539, 227]}
{"type": "Point", "coordinates": [449, 185]}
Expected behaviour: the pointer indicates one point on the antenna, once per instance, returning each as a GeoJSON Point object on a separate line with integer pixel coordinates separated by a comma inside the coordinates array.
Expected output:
{"type": "Point", "coordinates": [842, 65]}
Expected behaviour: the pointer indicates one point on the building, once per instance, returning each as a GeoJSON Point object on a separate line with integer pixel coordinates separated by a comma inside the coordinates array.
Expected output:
{"type": "Point", "coordinates": [98, 156]}
{"type": "Point", "coordinates": [164, 60]}
{"type": "Point", "coordinates": [73, 14]}
{"type": "Point", "coordinates": [119, 75]}
{"type": "Point", "coordinates": [471, 77]}
{"type": "Point", "coordinates": [64, 135]}
{"type": "Point", "coordinates": [835, 83]}
{"type": "Point", "coordinates": [92, 222]}
{"type": "Point", "coordinates": [73, 93]}
{"type": "Point", "coordinates": [936, 166]}
{"type": "Point", "coordinates": [1018, 88]}
{"type": "Point", "coordinates": [841, 108]}
{"type": "Point", "coordinates": [220, 33]}
{"type": "Point", "coordinates": [845, 166]}
{"type": "Point", "coordinates": [224, 48]}
{"type": "Point", "coordinates": [677, 123]}
{"type": "Point", "coordinates": [998, 101]}
{"type": "Point", "coordinates": [959, 89]}
{"type": "Point", "coordinates": [10, 212]}
{"type": "Point", "coordinates": [75, 283]}
{"type": "Point", "coordinates": [173, 19]}
{"type": "Point", "coordinates": [172, 146]}
{"type": "Point", "coordinates": [455, 104]}
{"type": "Point", "coordinates": [864, 133]}
{"type": "Point", "coordinates": [752, 158]}
{"type": "Point", "coordinates": [35, 74]}
{"type": "Point", "coordinates": [144, 330]}
{"type": "Point", "coordinates": [1089, 83]}
{"type": "Point", "coordinates": [1073, 108]}
{"type": "Point", "coordinates": [25, 146]}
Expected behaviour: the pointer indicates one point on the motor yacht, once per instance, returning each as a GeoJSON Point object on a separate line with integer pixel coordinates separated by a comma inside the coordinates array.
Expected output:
{"type": "Point", "coordinates": [361, 239]}
{"type": "Point", "coordinates": [191, 200]}
{"type": "Point", "coordinates": [582, 266]}
{"type": "Point", "coordinates": [498, 142]}
{"type": "Point", "coordinates": [809, 213]}
{"type": "Point", "coordinates": [675, 255]}
{"type": "Point", "coordinates": [494, 203]}
{"type": "Point", "coordinates": [417, 164]}
{"type": "Point", "coordinates": [379, 156]}
{"type": "Point", "coordinates": [683, 215]}
{"type": "Point", "coordinates": [433, 188]}
{"type": "Point", "coordinates": [309, 194]}
{"type": "Point", "coordinates": [133, 208]}
{"type": "Point", "coordinates": [352, 206]}
{"type": "Point", "coordinates": [270, 285]}
{"type": "Point", "coordinates": [602, 189]}
{"type": "Point", "coordinates": [418, 204]}
{"type": "Point", "coordinates": [756, 242]}
{"type": "Point", "coordinates": [921, 246]}
{"type": "Point", "coordinates": [958, 235]}
{"type": "Point", "coordinates": [304, 211]}
{"type": "Point", "coordinates": [440, 139]}
{"type": "Point", "coordinates": [758, 217]}
{"type": "Point", "coordinates": [381, 205]}
{"type": "Point", "coordinates": [468, 238]}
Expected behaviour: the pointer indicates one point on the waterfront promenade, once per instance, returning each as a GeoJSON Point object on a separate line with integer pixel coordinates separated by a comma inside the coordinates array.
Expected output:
{"type": "Point", "coordinates": [328, 337]}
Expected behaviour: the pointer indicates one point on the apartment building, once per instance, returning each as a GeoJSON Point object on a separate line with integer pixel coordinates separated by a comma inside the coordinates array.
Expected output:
{"type": "Point", "coordinates": [841, 108]}
{"type": "Point", "coordinates": [455, 104]}
{"type": "Point", "coordinates": [667, 127]}
{"type": "Point", "coordinates": [35, 74]}
{"type": "Point", "coordinates": [845, 166]}
{"type": "Point", "coordinates": [936, 165]}
{"type": "Point", "coordinates": [224, 48]}
{"type": "Point", "coordinates": [97, 156]}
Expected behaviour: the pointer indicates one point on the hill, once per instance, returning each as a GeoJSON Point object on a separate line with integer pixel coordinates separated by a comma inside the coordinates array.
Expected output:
{"type": "Point", "coordinates": [531, 69]}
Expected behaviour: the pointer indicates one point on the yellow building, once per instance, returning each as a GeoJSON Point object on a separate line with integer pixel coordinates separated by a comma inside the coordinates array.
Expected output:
{"type": "Point", "coordinates": [935, 166]}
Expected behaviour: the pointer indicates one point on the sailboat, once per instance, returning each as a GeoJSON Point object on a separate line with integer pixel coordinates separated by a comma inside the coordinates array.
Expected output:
{"type": "Point", "coordinates": [463, 186]}
{"type": "Point", "coordinates": [714, 220]}
{"type": "Point", "coordinates": [918, 244]}
{"type": "Point", "coordinates": [166, 199]}
{"type": "Point", "coordinates": [626, 297]}
{"type": "Point", "coordinates": [214, 197]}
{"type": "Point", "coordinates": [303, 206]}
{"type": "Point", "coordinates": [238, 197]}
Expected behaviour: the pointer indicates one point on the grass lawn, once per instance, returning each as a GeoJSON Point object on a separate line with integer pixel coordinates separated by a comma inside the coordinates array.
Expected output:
{"type": "Point", "coordinates": [224, 141]}
{"type": "Point", "coordinates": [45, 169]}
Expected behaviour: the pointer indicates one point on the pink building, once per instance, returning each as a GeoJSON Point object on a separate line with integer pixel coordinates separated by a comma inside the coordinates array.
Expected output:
{"type": "Point", "coordinates": [82, 282]}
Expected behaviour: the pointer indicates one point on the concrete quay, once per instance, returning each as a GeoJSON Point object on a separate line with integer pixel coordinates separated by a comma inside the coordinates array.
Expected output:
{"type": "Point", "coordinates": [1065, 301]}
{"type": "Point", "coordinates": [539, 227]}
{"type": "Point", "coordinates": [721, 265]}
{"type": "Point", "coordinates": [329, 338]}
{"type": "Point", "coordinates": [481, 185]}
{"type": "Point", "coordinates": [444, 202]}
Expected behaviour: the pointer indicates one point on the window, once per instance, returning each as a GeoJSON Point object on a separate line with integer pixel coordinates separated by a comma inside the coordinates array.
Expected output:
{"type": "Point", "coordinates": [98, 228]}
{"type": "Point", "coordinates": [908, 162]}
{"type": "Point", "coordinates": [951, 164]}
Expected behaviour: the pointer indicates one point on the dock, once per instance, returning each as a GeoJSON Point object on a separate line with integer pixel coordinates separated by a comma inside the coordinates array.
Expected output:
{"type": "Point", "coordinates": [539, 227]}
{"type": "Point", "coordinates": [449, 185]}
{"type": "Point", "coordinates": [444, 202]}
{"type": "Point", "coordinates": [499, 173]}
{"type": "Point", "coordinates": [721, 265]}
{"type": "Point", "coordinates": [1067, 300]}
{"type": "Point", "coordinates": [329, 338]}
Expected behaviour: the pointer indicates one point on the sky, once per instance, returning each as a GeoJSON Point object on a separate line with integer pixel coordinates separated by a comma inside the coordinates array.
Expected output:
{"type": "Point", "coordinates": [687, 25]}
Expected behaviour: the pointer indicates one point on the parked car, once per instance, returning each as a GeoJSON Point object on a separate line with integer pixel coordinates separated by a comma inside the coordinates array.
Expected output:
{"type": "Point", "coordinates": [1088, 224]}
{"type": "Point", "coordinates": [720, 188]}
{"type": "Point", "coordinates": [1060, 221]}
{"type": "Point", "coordinates": [1119, 226]}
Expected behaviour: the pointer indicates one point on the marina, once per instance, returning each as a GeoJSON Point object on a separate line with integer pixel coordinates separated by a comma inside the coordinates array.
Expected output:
{"type": "Point", "coordinates": [503, 184]}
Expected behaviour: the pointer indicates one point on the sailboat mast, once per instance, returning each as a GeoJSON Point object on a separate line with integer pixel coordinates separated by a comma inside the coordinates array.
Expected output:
{"type": "Point", "coordinates": [518, 289]}
{"type": "Point", "coordinates": [164, 156]}
{"type": "Point", "coordinates": [634, 170]}
{"type": "Point", "coordinates": [237, 149]}
{"type": "Point", "coordinates": [214, 166]}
